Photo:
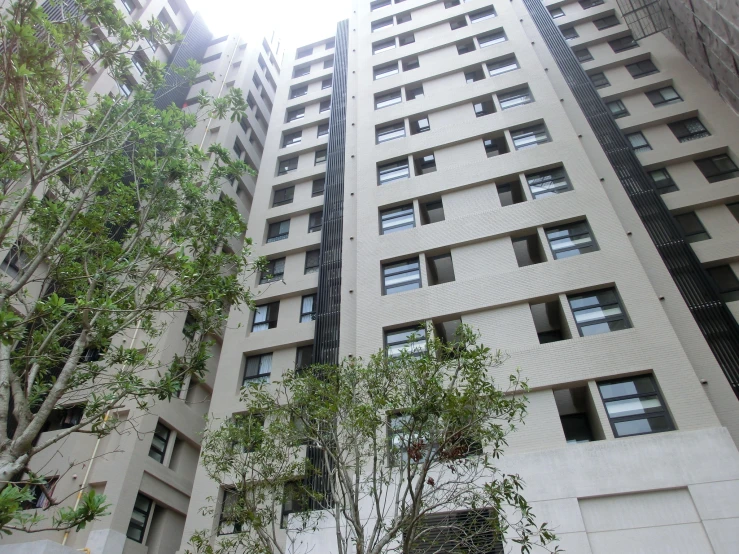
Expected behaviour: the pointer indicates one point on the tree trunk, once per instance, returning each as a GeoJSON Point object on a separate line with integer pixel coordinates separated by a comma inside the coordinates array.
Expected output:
{"type": "Point", "coordinates": [11, 467]}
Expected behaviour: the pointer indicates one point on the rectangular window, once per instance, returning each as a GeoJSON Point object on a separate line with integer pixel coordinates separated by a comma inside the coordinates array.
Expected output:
{"type": "Point", "coordinates": [381, 24]}
{"type": "Point", "coordinates": [734, 209]}
{"type": "Point", "coordinates": [279, 230]}
{"type": "Point", "coordinates": [303, 356]}
{"type": "Point", "coordinates": [16, 260]}
{"type": "Point", "coordinates": [634, 406]}
{"type": "Point", "coordinates": [402, 18]}
{"type": "Point", "coordinates": [320, 157]}
{"type": "Point", "coordinates": [139, 518]}
{"type": "Point", "coordinates": [571, 239]}
{"type": "Point", "coordinates": [583, 55]}
{"type": "Point", "coordinates": [324, 106]}
{"type": "Point", "coordinates": [383, 46]}
{"type": "Point", "coordinates": [330, 44]}
{"type": "Point", "coordinates": [301, 71]}
{"type": "Point", "coordinates": [642, 69]}
{"type": "Point", "coordinates": [622, 44]}
{"type": "Point", "coordinates": [125, 88]}
{"type": "Point", "coordinates": [386, 71]}
{"type": "Point", "coordinates": [274, 271]}
{"type": "Point", "coordinates": [138, 62]}
{"type": "Point", "coordinates": [40, 500]}
{"type": "Point", "coordinates": [598, 312]}
{"type": "Point", "coordinates": [409, 339]}
{"type": "Point", "coordinates": [327, 83]}
{"type": "Point", "coordinates": [412, 92]}
{"type": "Point", "coordinates": [286, 166]}
{"type": "Point", "coordinates": [265, 317]}
{"type": "Point", "coordinates": [549, 322]}
{"type": "Point", "coordinates": [315, 222]}
{"type": "Point", "coordinates": [308, 308]}
{"type": "Point", "coordinates": [440, 269]}
{"type": "Point", "coordinates": [503, 66]}
{"type": "Point", "coordinates": [159, 440]}
{"type": "Point", "coordinates": [599, 80]}
{"type": "Point", "coordinates": [510, 193]}
{"type": "Point", "coordinates": [587, 4]}
{"type": "Point", "coordinates": [294, 115]}
{"type": "Point", "coordinates": [283, 196]}
{"type": "Point", "coordinates": [556, 13]}
{"type": "Point", "coordinates": [450, 4]}
{"type": "Point", "coordinates": [489, 39]}
{"type": "Point", "coordinates": [420, 124]}
{"type": "Point", "coordinates": [606, 22]}
{"type": "Point", "coordinates": [465, 47]}
{"type": "Point", "coordinates": [322, 130]}
{"type": "Point", "coordinates": [481, 15]}
{"type": "Point", "coordinates": [257, 369]}
{"type": "Point", "coordinates": [495, 146]}
{"type": "Point", "coordinates": [312, 261]}
{"type": "Point", "coordinates": [515, 98]}
{"type": "Point", "coordinates": [318, 186]}
{"type": "Point", "coordinates": [530, 136]}
{"type": "Point", "coordinates": [527, 250]}
{"type": "Point", "coordinates": [569, 33]}
{"type": "Point", "coordinates": [425, 164]}
{"type": "Point", "coordinates": [393, 171]}
{"type": "Point", "coordinates": [297, 92]}
{"type": "Point", "coordinates": [617, 108]}
{"type": "Point", "coordinates": [638, 142]}
{"type": "Point", "coordinates": [401, 276]}
{"type": "Point", "coordinates": [410, 63]}
{"type": "Point", "coordinates": [405, 40]}
{"type": "Point", "coordinates": [726, 281]}
{"type": "Point", "coordinates": [304, 52]}
{"type": "Point", "coordinates": [397, 219]}
{"type": "Point", "coordinates": [662, 181]}
{"type": "Point", "coordinates": [129, 5]}
{"type": "Point", "coordinates": [377, 4]}
{"type": "Point", "coordinates": [228, 522]}
{"type": "Point", "coordinates": [474, 76]}
{"type": "Point", "coordinates": [291, 138]}
{"type": "Point", "coordinates": [432, 212]}
{"type": "Point", "coordinates": [458, 23]}
{"type": "Point", "coordinates": [718, 168]}
{"type": "Point", "coordinates": [484, 107]}
{"type": "Point", "coordinates": [329, 63]}
{"type": "Point", "coordinates": [692, 227]}
{"type": "Point", "coordinates": [663, 96]}
{"type": "Point", "coordinates": [387, 99]}
{"type": "Point", "coordinates": [689, 129]}
{"type": "Point", "coordinates": [390, 132]}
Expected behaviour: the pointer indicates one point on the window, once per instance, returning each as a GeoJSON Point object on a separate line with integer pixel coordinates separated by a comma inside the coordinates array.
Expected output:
{"type": "Point", "coordinates": [405, 40]}
{"type": "Point", "coordinates": [393, 171]}
{"type": "Point", "coordinates": [377, 4]}
{"type": "Point", "coordinates": [304, 52]}
{"type": "Point", "coordinates": [642, 68]}
{"type": "Point", "coordinates": [617, 108]}
{"type": "Point", "coordinates": [397, 219]}
{"type": "Point", "coordinates": [328, 63]}
{"type": "Point", "coordinates": [265, 317]}
{"type": "Point", "coordinates": [692, 227]}
{"type": "Point", "coordinates": [381, 24]}
{"type": "Point", "coordinates": [638, 142]}
{"type": "Point", "coordinates": [492, 38]}
{"type": "Point", "coordinates": [296, 92]}
{"type": "Point", "coordinates": [383, 45]}
{"type": "Point", "coordinates": [228, 520]}
{"type": "Point", "coordinates": [450, 4]}
{"type": "Point", "coordinates": [484, 107]}
{"type": "Point", "coordinates": [495, 146]}
{"type": "Point", "coordinates": [326, 83]}
{"type": "Point", "coordinates": [40, 500]}
{"type": "Point", "coordinates": [312, 261]}
{"type": "Point", "coordinates": [634, 406]}
{"type": "Point", "coordinates": [458, 23]}
{"type": "Point", "coordinates": [440, 269]}
{"type": "Point", "coordinates": [294, 115]}
{"type": "Point", "coordinates": [191, 326]}
{"type": "Point", "coordinates": [425, 164]}
{"type": "Point", "coordinates": [598, 312]}
{"type": "Point", "coordinates": [274, 271]}
{"type": "Point", "coordinates": [515, 98]}
{"type": "Point", "coordinates": [125, 88]}
{"type": "Point", "coordinates": [569, 33]}
{"type": "Point", "coordinates": [286, 166]}
{"type": "Point", "coordinates": [159, 441]}
{"type": "Point", "coordinates": [410, 339]}
{"type": "Point", "coordinates": [662, 181]}
{"type": "Point", "coordinates": [324, 106]}
{"type": "Point", "coordinates": [420, 125]}
{"type": "Point", "coordinates": [385, 71]}
{"type": "Point", "coordinates": [606, 22]}
{"type": "Point", "coordinates": [510, 193]}
{"type": "Point", "coordinates": [410, 63]}
{"type": "Point", "coordinates": [303, 356]}
{"type": "Point", "coordinates": [320, 156]}
{"type": "Point", "coordinates": [138, 62]}
{"type": "Point", "coordinates": [599, 80]}
{"type": "Point", "coordinates": [402, 18]}
{"type": "Point", "coordinates": [412, 92]}
{"type": "Point", "coordinates": [388, 99]}
{"type": "Point", "coordinates": [571, 239]}
{"type": "Point", "coordinates": [308, 308]}
{"type": "Point", "coordinates": [401, 276]}
{"type": "Point", "coordinates": [301, 71]}
{"type": "Point", "coordinates": [556, 13]}
{"type": "Point", "coordinates": [139, 518]}
{"type": "Point", "coordinates": [315, 221]}
{"type": "Point", "coordinates": [583, 55]}
{"type": "Point", "coordinates": [318, 186]}
{"type": "Point", "coordinates": [530, 136]}
{"type": "Point", "coordinates": [528, 250]}
{"type": "Point", "coordinates": [322, 130]}
{"type": "Point", "coordinates": [622, 44]}
{"type": "Point", "coordinates": [502, 66]}
{"type": "Point", "coordinates": [283, 196]}
{"type": "Point", "coordinates": [16, 260]}
{"type": "Point", "coordinates": [481, 15]}
{"type": "Point", "coordinates": [549, 322]}
{"type": "Point", "coordinates": [330, 44]}
{"type": "Point", "coordinates": [129, 5]}
{"type": "Point", "coordinates": [718, 168]}
{"type": "Point", "coordinates": [734, 209]}
{"type": "Point", "coordinates": [294, 501]}
{"type": "Point", "coordinates": [726, 281]}
{"type": "Point", "coordinates": [432, 212]}
{"type": "Point", "coordinates": [576, 413]}
{"type": "Point", "coordinates": [465, 47]}
{"type": "Point", "coordinates": [390, 132]}
{"type": "Point", "coordinates": [689, 129]}
{"type": "Point", "coordinates": [474, 76]}
{"type": "Point", "coordinates": [288, 139]}
{"type": "Point", "coordinates": [587, 4]}
{"type": "Point", "coordinates": [279, 230]}
{"type": "Point", "coordinates": [663, 96]}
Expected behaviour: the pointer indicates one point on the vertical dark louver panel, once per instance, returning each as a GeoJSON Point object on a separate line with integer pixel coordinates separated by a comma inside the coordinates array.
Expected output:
{"type": "Point", "coordinates": [317, 480]}
{"type": "Point", "coordinates": [714, 319]}
{"type": "Point", "coordinates": [193, 47]}
{"type": "Point", "coordinates": [57, 11]}
{"type": "Point", "coordinates": [326, 342]}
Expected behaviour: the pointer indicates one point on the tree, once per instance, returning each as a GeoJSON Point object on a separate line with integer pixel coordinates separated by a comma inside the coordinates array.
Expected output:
{"type": "Point", "coordinates": [401, 454]}
{"type": "Point", "coordinates": [113, 223]}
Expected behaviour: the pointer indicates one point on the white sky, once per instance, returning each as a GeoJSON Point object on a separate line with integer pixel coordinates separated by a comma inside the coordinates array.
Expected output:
{"type": "Point", "coordinates": [296, 22]}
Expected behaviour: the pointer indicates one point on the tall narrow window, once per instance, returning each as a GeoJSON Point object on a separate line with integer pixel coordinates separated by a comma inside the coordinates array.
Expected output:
{"type": "Point", "coordinates": [718, 168]}
{"type": "Point", "coordinates": [139, 518]}
{"type": "Point", "coordinates": [515, 98]}
{"type": "Point", "coordinates": [257, 369]}
{"type": "Point", "coordinates": [324, 106]}
{"type": "Point", "coordinates": [692, 227]}
{"type": "Point", "coordinates": [570, 240]}
{"type": "Point", "coordinates": [393, 171]}
{"type": "Point", "coordinates": [229, 521]}
{"type": "Point", "coordinates": [549, 322]}
{"type": "Point", "coordinates": [440, 269]}
{"type": "Point", "coordinates": [320, 157]}
{"type": "Point", "coordinates": [663, 96]}
{"type": "Point", "coordinates": [503, 66]}
{"type": "Point", "coordinates": [265, 316]}
{"type": "Point", "coordinates": [634, 406]}
{"type": "Point", "coordinates": [401, 276]}
{"type": "Point", "coordinates": [726, 281]}
{"type": "Point", "coordinates": [308, 308]}
{"type": "Point", "coordinates": [638, 142]}
{"type": "Point", "coordinates": [274, 271]}
{"type": "Point", "coordinates": [279, 230]}
{"type": "Point", "coordinates": [598, 312]}
{"type": "Point", "coordinates": [129, 5]}
{"type": "Point", "coordinates": [322, 130]}
{"type": "Point", "coordinates": [528, 250]}
{"type": "Point", "coordinates": [303, 356]}
{"type": "Point", "coordinates": [530, 136]}
{"type": "Point", "coordinates": [397, 219]}
{"type": "Point", "coordinates": [16, 260]}
{"type": "Point", "coordinates": [318, 186]}
{"type": "Point", "coordinates": [410, 339]}
{"type": "Point", "coordinates": [689, 129]}
{"type": "Point", "coordinates": [390, 132]}
{"type": "Point", "coordinates": [312, 261]}
{"type": "Point", "coordinates": [315, 222]}
{"type": "Point", "coordinates": [159, 441]}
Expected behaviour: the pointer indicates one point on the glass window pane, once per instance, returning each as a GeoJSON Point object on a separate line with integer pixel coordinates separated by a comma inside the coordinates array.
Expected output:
{"type": "Point", "coordinates": [633, 406]}
{"type": "Point", "coordinates": [655, 424]}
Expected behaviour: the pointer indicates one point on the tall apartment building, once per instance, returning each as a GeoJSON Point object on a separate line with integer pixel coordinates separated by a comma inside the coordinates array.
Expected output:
{"type": "Point", "coordinates": [146, 468]}
{"type": "Point", "coordinates": [492, 151]}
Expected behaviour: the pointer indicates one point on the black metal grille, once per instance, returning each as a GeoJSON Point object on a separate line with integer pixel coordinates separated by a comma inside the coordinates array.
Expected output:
{"type": "Point", "coordinates": [470, 531]}
{"type": "Point", "coordinates": [318, 479]}
{"type": "Point", "coordinates": [714, 319]}
{"type": "Point", "coordinates": [328, 305]}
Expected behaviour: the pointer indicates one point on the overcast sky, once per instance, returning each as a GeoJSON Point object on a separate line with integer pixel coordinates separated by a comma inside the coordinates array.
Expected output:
{"type": "Point", "coordinates": [296, 22]}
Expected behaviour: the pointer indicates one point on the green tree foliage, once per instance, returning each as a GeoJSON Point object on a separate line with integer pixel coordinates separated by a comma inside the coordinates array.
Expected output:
{"type": "Point", "coordinates": [401, 440]}
{"type": "Point", "coordinates": [112, 218]}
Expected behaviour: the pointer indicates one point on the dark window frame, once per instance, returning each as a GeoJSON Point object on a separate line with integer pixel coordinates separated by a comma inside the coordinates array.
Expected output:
{"type": "Point", "coordinates": [163, 433]}
{"type": "Point", "coordinates": [271, 316]}
{"type": "Point", "coordinates": [308, 315]}
{"type": "Point", "coordinates": [271, 274]}
{"type": "Point", "coordinates": [258, 376]}
{"type": "Point", "coordinates": [713, 173]}
{"type": "Point", "coordinates": [664, 412]}
{"type": "Point", "coordinates": [307, 269]}
{"type": "Point", "coordinates": [409, 268]}
{"type": "Point", "coordinates": [146, 515]}
{"type": "Point", "coordinates": [591, 246]}
{"type": "Point", "coordinates": [622, 316]}
{"type": "Point", "coordinates": [398, 212]}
